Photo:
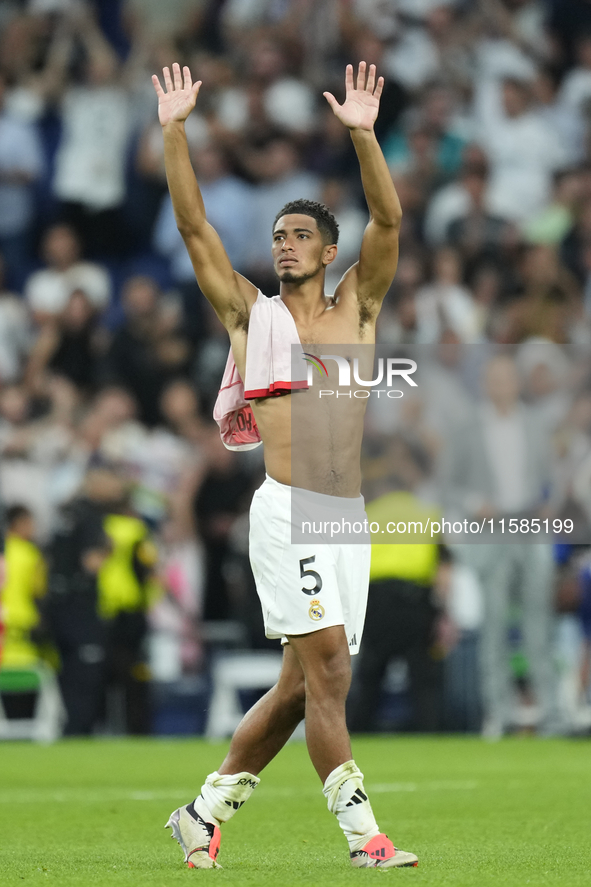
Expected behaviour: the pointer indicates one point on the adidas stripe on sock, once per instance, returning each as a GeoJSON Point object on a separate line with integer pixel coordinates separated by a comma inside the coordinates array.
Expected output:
{"type": "Point", "coordinates": [222, 796]}
{"type": "Point", "coordinates": [348, 800]}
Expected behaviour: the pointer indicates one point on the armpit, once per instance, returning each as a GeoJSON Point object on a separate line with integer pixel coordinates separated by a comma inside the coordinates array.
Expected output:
{"type": "Point", "coordinates": [366, 312]}
{"type": "Point", "coordinates": [238, 318]}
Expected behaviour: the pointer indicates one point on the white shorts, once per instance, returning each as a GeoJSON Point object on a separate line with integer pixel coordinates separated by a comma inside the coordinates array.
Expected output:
{"type": "Point", "coordinates": [304, 587]}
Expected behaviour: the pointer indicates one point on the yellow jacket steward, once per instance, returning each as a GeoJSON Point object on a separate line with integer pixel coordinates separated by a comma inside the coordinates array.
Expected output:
{"type": "Point", "coordinates": [25, 582]}
{"type": "Point", "coordinates": [120, 583]}
{"type": "Point", "coordinates": [411, 561]}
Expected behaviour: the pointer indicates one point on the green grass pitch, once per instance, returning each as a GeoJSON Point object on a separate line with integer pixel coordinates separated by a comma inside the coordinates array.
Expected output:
{"type": "Point", "coordinates": [517, 812]}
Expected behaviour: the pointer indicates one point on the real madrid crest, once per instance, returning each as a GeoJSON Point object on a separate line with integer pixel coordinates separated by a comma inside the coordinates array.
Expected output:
{"type": "Point", "coordinates": [316, 611]}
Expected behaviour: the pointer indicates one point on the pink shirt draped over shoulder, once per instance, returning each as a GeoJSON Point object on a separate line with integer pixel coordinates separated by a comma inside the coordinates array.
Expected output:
{"type": "Point", "coordinates": [271, 334]}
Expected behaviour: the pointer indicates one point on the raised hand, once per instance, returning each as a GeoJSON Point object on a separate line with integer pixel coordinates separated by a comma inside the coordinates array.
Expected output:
{"type": "Point", "coordinates": [362, 101]}
{"type": "Point", "coordinates": [179, 99]}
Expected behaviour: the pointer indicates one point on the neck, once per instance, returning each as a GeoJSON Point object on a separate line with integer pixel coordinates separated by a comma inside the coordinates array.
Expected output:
{"type": "Point", "coordinates": [304, 299]}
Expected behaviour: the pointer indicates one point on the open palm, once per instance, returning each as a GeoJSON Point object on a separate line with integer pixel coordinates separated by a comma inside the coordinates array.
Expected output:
{"type": "Point", "coordinates": [362, 101]}
{"type": "Point", "coordinates": [179, 99]}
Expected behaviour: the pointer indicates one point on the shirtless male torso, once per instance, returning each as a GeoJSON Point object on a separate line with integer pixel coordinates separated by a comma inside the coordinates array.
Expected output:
{"type": "Point", "coordinates": [316, 671]}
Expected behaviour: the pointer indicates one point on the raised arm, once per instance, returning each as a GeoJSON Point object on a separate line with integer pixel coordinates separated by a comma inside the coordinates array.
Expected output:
{"type": "Point", "coordinates": [229, 293]}
{"type": "Point", "coordinates": [371, 277]}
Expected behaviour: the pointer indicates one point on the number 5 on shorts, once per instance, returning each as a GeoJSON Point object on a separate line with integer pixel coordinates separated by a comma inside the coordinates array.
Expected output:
{"type": "Point", "coordinates": [317, 576]}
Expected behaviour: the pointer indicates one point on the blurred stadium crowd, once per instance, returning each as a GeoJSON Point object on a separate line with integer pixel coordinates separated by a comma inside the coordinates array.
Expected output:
{"type": "Point", "coordinates": [125, 517]}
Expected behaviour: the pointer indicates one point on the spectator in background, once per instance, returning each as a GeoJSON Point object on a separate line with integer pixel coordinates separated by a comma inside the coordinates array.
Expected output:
{"type": "Point", "coordinates": [40, 458]}
{"type": "Point", "coordinates": [287, 100]}
{"type": "Point", "coordinates": [418, 50]}
{"type": "Point", "coordinates": [282, 101]}
{"type": "Point", "coordinates": [149, 348]}
{"type": "Point", "coordinates": [110, 427]}
{"type": "Point", "coordinates": [21, 165]}
{"type": "Point", "coordinates": [20, 480]}
{"type": "Point", "coordinates": [523, 149]}
{"type": "Point", "coordinates": [25, 583]}
{"type": "Point", "coordinates": [569, 120]}
{"type": "Point", "coordinates": [175, 645]}
{"type": "Point", "coordinates": [161, 461]}
{"type": "Point", "coordinates": [329, 152]}
{"type": "Point", "coordinates": [546, 371]}
{"type": "Point", "coordinates": [15, 332]}
{"type": "Point", "coordinates": [497, 464]}
{"type": "Point", "coordinates": [476, 232]}
{"type": "Point", "coordinates": [454, 200]}
{"type": "Point", "coordinates": [67, 345]}
{"type": "Point", "coordinates": [397, 322]}
{"type": "Point", "coordinates": [444, 305]}
{"type": "Point", "coordinates": [126, 588]}
{"type": "Point", "coordinates": [47, 291]}
{"type": "Point", "coordinates": [76, 553]}
{"type": "Point", "coordinates": [89, 178]}
{"type": "Point", "coordinates": [459, 588]}
{"type": "Point", "coordinates": [549, 304]}
{"type": "Point", "coordinates": [557, 218]}
{"type": "Point", "coordinates": [147, 18]}
{"type": "Point", "coordinates": [428, 143]}
{"type": "Point", "coordinates": [221, 497]}
{"type": "Point", "coordinates": [180, 409]}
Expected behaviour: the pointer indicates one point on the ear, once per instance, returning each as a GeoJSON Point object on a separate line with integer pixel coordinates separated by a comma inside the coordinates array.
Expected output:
{"type": "Point", "coordinates": [329, 254]}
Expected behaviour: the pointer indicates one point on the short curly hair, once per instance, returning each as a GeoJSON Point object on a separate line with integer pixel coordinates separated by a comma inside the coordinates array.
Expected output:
{"type": "Point", "coordinates": [327, 224]}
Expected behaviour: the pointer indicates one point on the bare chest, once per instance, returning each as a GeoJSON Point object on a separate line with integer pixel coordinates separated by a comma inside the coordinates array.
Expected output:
{"type": "Point", "coordinates": [335, 327]}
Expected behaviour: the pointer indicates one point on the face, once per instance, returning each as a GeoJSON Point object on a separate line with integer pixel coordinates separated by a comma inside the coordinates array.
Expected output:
{"type": "Point", "coordinates": [104, 485]}
{"type": "Point", "coordinates": [14, 404]}
{"type": "Point", "coordinates": [24, 526]}
{"type": "Point", "coordinates": [515, 98]}
{"type": "Point", "coordinates": [115, 406]}
{"type": "Point", "coordinates": [140, 297]}
{"type": "Point", "coordinates": [475, 185]}
{"type": "Point", "coordinates": [179, 402]}
{"type": "Point", "coordinates": [447, 266]}
{"type": "Point", "coordinates": [502, 382]}
{"type": "Point", "coordinates": [299, 251]}
{"type": "Point", "coordinates": [78, 311]}
{"type": "Point", "coordinates": [60, 247]}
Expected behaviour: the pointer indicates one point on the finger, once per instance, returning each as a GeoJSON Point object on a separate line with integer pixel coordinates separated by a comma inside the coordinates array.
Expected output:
{"type": "Point", "coordinates": [361, 76]}
{"type": "Point", "coordinates": [187, 76]}
{"type": "Point", "coordinates": [379, 88]}
{"type": "Point", "coordinates": [349, 78]}
{"type": "Point", "coordinates": [196, 87]}
{"type": "Point", "coordinates": [331, 99]}
{"type": "Point", "coordinates": [158, 87]}
{"type": "Point", "coordinates": [167, 79]}
{"type": "Point", "coordinates": [178, 80]}
{"type": "Point", "coordinates": [371, 79]}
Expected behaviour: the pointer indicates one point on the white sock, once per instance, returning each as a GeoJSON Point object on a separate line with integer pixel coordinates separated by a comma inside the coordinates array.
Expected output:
{"type": "Point", "coordinates": [348, 800]}
{"type": "Point", "coordinates": [222, 796]}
